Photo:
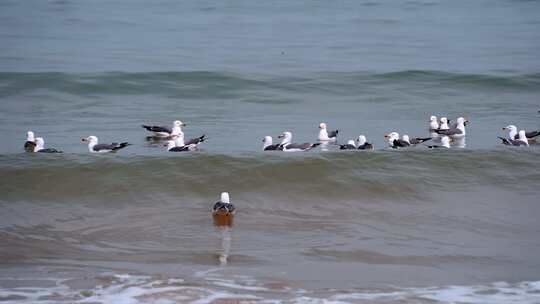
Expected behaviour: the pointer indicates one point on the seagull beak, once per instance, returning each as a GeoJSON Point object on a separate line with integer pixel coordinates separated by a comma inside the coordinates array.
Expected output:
{"type": "Point", "coordinates": [386, 135]}
{"type": "Point", "coordinates": [504, 128]}
{"type": "Point", "coordinates": [83, 139]}
{"type": "Point", "coordinates": [280, 136]}
{"type": "Point", "coordinates": [184, 124]}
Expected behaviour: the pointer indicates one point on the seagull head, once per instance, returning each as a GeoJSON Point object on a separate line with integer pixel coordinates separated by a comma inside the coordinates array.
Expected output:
{"type": "Point", "coordinates": [225, 198]}
{"type": "Point", "coordinates": [267, 140]}
{"type": "Point", "coordinates": [322, 125]}
{"type": "Point", "coordinates": [392, 136]}
{"type": "Point", "coordinates": [444, 120]}
{"type": "Point", "coordinates": [462, 121]}
{"type": "Point", "coordinates": [510, 128]}
{"type": "Point", "coordinates": [90, 139]}
{"type": "Point", "coordinates": [179, 123]}
{"type": "Point", "coordinates": [286, 137]}
{"type": "Point", "coordinates": [30, 136]}
{"type": "Point", "coordinates": [433, 118]}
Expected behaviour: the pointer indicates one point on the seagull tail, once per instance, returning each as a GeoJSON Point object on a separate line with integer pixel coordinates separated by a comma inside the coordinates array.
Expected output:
{"type": "Point", "coordinates": [122, 145]}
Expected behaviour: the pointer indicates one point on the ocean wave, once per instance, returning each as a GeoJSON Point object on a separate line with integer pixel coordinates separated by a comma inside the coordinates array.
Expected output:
{"type": "Point", "coordinates": [194, 84]}
{"type": "Point", "coordinates": [390, 174]}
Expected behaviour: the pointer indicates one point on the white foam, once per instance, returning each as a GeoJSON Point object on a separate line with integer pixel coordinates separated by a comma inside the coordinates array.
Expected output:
{"type": "Point", "coordinates": [500, 292]}
{"type": "Point", "coordinates": [139, 289]}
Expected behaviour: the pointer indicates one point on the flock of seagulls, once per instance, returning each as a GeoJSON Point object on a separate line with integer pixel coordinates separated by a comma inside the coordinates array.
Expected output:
{"type": "Point", "coordinates": [442, 135]}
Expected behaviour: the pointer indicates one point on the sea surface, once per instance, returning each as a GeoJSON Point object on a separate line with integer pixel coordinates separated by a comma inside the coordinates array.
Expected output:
{"type": "Point", "coordinates": [417, 225]}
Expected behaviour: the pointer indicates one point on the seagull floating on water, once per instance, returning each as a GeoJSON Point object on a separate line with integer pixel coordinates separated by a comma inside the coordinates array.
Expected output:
{"type": "Point", "coordinates": [457, 132]}
{"type": "Point", "coordinates": [349, 146]}
{"type": "Point", "coordinates": [172, 147]}
{"type": "Point", "coordinates": [162, 131]}
{"type": "Point", "coordinates": [513, 133]}
{"type": "Point", "coordinates": [179, 140]}
{"type": "Point", "coordinates": [30, 143]}
{"type": "Point", "coordinates": [324, 135]}
{"type": "Point", "coordinates": [433, 123]}
{"type": "Point", "coordinates": [40, 147]}
{"type": "Point", "coordinates": [287, 146]}
{"type": "Point", "coordinates": [395, 142]}
{"type": "Point", "coordinates": [269, 146]}
{"type": "Point", "coordinates": [362, 144]}
{"type": "Point", "coordinates": [94, 147]}
{"type": "Point", "coordinates": [522, 140]}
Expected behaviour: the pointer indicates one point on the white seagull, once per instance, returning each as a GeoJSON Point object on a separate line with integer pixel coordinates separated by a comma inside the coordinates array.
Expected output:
{"type": "Point", "coordinates": [513, 133]}
{"type": "Point", "coordinates": [324, 135]}
{"type": "Point", "coordinates": [362, 143]}
{"type": "Point", "coordinates": [162, 131]}
{"type": "Point", "coordinates": [457, 132]}
{"type": "Point", "coordinates": [520, 141]}
{"type": "Point", "coordinates": [288, 146]}
{"type": "Point", "coordinates": [351, 145]}
{"type": "Point", "coordinates": [40, 147]}
{"type": "Point", "coordinates": [30, 143]}
{"type": "Point", "coordinates": [94, 147]}
{"type": "Point", "coordinates": [269, 146]}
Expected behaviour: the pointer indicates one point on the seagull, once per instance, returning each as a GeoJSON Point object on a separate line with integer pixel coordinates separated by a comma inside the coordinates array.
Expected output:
{"type": "Point", "coordinates": [415, 140]}
{"type": "Point", "coordinates": [40, 147]}
{"type": "Point", "coordinates": [172, 147]}
{"type": "Point", "coordinates": [394, 141]}
{"type": "Point", "coordinates": [349, 146]}
{"type": "Point", "coordinates": [324, 135]}
{"type": "Point", "coordinates": [521, 141]}
{"type": "Point", "coordinates": [161, 131]}
{"type": "Point", "coordinates": [433, 123]}
{"type": "Point", "coordinates": [268, 146]}
{"type": "Point", "coordinates": [445, 143]}
{"type": "Point", "coordinates": [223, 211]}
{"type": "Point", "coordinates": [224, 205]}
{"type": "Point", "coordinates": [179, 140]}
{"type": "Point", "coordinates": [30, 143]}
{"type": "Point", "coordinates": [513, 133]}
{"type": "Point", "coordinates": [362, 143]}
{"type": "Point", "coordinates": [287, 146]}
{"type": "Point", "coordinates": [94, 147]}
{"type": "Point", "coordinates": [457, 132]}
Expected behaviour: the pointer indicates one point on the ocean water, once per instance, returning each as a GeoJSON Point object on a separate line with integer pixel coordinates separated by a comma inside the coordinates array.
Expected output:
{"type": "Point", "coordinates": [325, 226]}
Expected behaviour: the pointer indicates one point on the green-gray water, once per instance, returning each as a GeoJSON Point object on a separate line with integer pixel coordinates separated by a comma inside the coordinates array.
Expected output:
{"type": "Point", "coordinates": [383, 226]}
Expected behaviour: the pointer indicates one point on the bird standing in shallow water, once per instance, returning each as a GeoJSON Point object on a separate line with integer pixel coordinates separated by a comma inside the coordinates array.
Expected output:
{"type": "Point", "coordinates": [223, 211]}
